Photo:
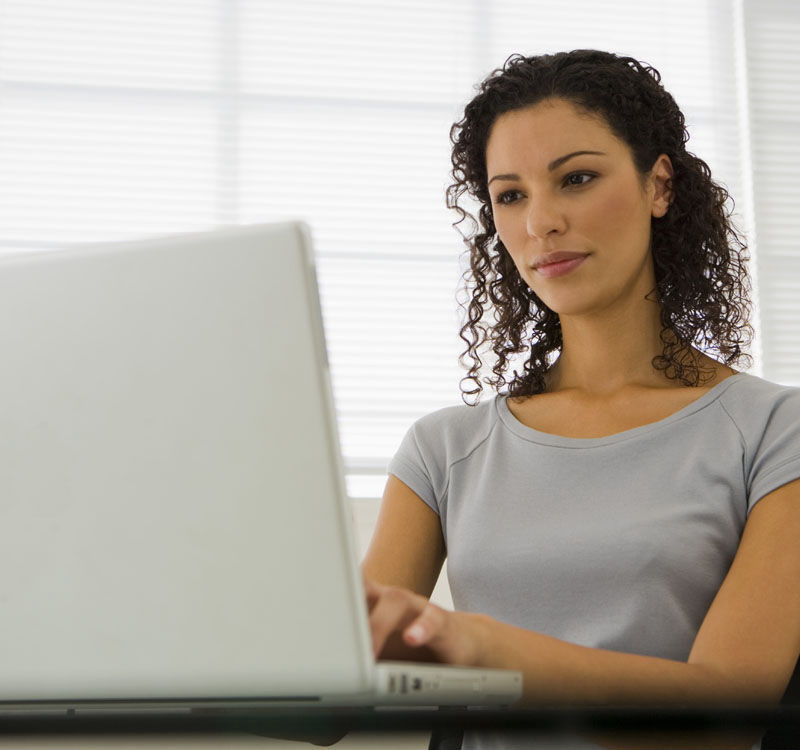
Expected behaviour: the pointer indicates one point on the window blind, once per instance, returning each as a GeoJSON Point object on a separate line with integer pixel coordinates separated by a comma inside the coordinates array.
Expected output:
{"type": "Point", "coordinates": [772, 30]}
{"type": "Point", "coordinates": [131, 119]}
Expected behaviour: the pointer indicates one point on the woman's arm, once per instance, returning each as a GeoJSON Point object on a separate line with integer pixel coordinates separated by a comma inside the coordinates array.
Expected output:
{"type": "Point", "coordinates": [407, 547]}
{"type": "Point", "coordinates": [744, 651]}
{"type": "Point", "coordinates": [406, 552]}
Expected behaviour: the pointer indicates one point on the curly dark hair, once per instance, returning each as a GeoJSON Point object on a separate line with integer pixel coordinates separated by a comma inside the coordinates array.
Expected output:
{"type": "Point", "coordinates": [702, 283]}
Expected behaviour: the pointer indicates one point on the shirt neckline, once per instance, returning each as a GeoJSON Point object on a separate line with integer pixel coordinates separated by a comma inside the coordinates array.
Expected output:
{"type": "Point", "coordinates": [547, 438]}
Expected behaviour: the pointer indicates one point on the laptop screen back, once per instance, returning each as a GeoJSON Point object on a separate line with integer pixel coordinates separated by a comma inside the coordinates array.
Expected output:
{"type": "Point", "coordinates": [170, 476]}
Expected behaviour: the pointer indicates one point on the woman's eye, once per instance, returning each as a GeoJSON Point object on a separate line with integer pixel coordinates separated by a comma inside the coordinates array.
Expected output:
{"type": "Point", "coordinates": [507, 196]}
{"type": "Point", "coordinates": [577, 179]}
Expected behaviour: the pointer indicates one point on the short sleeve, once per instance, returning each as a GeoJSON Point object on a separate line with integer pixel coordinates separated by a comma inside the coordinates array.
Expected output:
{"type": "Point", "coordinates": [411, 466]}
{"type": "Point", "coordinates": [436, 442]}
{"type": "Point", "coordinates": [776, 460]}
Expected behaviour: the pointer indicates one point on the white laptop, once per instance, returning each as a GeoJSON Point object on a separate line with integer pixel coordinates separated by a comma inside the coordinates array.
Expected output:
{"type": "Point", "coordinates": [174, 526]}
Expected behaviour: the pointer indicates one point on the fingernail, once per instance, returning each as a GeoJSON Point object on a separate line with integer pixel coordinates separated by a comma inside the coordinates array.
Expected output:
{"type": "Point", "coordinates": [415, 633]}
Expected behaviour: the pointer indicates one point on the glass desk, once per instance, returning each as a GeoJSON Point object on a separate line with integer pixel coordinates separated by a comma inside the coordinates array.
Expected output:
{"type": "Point", "coordinates": [326, 725]}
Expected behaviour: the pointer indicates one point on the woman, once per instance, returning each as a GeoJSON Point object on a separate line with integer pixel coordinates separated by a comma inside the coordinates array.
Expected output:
{"type": "Point", "coordinates": [621, 520]}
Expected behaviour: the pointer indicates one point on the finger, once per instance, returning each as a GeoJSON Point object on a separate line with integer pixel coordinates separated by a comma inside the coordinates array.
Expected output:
{"type": "Point", "coordinates": [392, 613]}
{"type": "Point", "coordinates": [451, 636]}
{"type": "Point", "coordinates": [429, 627]}
{"type": "Point", "coordinates": [372, 592]}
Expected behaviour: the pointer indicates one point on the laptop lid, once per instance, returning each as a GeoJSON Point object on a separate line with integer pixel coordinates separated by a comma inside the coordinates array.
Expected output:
{"type": "Point", "coordinates": [173, 516]}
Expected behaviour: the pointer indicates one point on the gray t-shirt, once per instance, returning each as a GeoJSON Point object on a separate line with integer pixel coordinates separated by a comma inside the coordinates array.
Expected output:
{"type": "Point", "coordinates": [619, 542]}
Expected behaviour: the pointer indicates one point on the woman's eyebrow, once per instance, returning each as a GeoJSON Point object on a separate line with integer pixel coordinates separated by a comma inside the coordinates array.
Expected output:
{"type": "Point", "coordinates": [555, 164]}
{"type": "Point", "coordinates": [561, 159]}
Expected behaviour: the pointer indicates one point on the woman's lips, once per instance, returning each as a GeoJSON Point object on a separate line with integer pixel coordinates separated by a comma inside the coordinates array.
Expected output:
{"type": "Point", "coordinates": [559, 269]}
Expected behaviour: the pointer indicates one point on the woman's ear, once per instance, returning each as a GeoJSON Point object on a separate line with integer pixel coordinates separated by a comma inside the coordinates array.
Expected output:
{"type": "Point", "coordinates": [661, 175]}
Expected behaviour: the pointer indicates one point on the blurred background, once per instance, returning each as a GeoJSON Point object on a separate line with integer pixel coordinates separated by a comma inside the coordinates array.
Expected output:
{"type": "Point", "coordinates": [121, 119]}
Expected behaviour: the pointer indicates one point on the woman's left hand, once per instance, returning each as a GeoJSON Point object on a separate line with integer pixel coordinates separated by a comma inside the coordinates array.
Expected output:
{"type": "Point", "coordinates": [405, 625]}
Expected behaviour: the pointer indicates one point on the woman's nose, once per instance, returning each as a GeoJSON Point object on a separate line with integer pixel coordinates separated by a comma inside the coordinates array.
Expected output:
{"type": "Point", "coordinates": [544, 219]}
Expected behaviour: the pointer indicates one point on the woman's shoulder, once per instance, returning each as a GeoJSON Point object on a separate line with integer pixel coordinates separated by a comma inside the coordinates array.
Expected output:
{"type": "Point", "coordinates": [457, 429]}
{"type": "Point", "coordinates": [438, 440]}
{"type": "Point", "coordinates": [459, 417]}
{"type": "Point", "coordinates": [752, 391]}
{"type": "Point", "coordinates": [767, 417]}
{"type": "Point", "coordinates": [755, 403]}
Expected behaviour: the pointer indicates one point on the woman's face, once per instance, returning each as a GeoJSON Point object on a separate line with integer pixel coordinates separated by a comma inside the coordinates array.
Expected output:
{"type": "Point", "coordinates": [549, 195]}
